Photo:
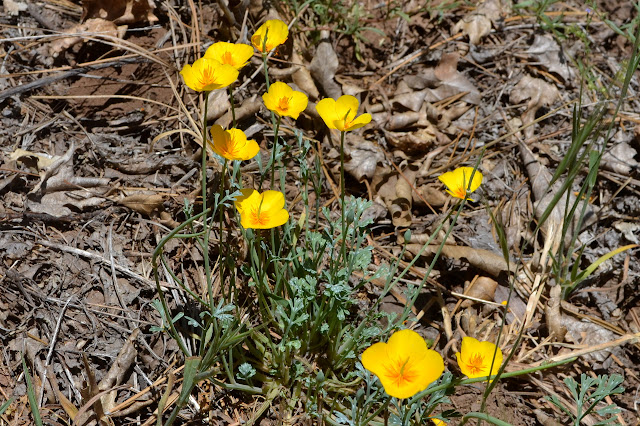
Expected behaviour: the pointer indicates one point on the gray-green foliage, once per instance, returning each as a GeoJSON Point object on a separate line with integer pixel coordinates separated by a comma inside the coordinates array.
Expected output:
{"type": "Point", "coordinates": [588, 394]}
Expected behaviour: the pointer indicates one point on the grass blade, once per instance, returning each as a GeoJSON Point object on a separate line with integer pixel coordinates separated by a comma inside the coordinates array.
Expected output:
{"type": "Point", "coordinates": [31, 394]}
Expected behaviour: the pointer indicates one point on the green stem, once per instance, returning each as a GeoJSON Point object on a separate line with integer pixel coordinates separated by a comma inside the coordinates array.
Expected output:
{"type": "Point", "coordinates": [429, 391]}
{"type": "Point", "coordinates": [222, 247]}
{"type": "Point", "coordinates": [342, 207]}
{"type": "Point", "coordinates": [273, 152]}
{"type": "Point", "coordinates": [486, 417]}
{"type": "Point", "coordinates": [205, 243]}
{"type": "Point", "coordinates": [233, 107]}
{"type": "Point", "coordinates": [156, 276]}
{"type": "Point", "coordinates": [266, 71]}
{"type": "Point", "coordinates": [378, 411]}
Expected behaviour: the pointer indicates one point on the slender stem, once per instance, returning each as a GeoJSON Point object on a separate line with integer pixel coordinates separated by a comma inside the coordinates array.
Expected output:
{"type": "Point", "coordinates": [205, 224]}
{"type": "Point", "coordinates": [431, 390]}
{"type": "Point", "coordinates": [342, 191]}
{"type": "Point", "coordinates": [486, 417]}
{"type": "Point", "coordinates": [273, 151]}
{"type": "Point", "coordinates": [222, 247]}
{"type": "Point", "coordinates": [266, 71]}
{"type": "Point", "coordinates": [233, 107]}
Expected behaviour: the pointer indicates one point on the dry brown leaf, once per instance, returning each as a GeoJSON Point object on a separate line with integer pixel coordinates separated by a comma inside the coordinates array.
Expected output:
{"type": "Point", "coordinates": [119, 11]}
{"type": "Point", "coordinates": [95, 27]}
{"type": "Point", "coordinates": [411, 100]}
{"type": "Point", "coordinates": [363, 157]}
{"type": "Point", "coordinates": [143, 203]}
{"type": "Point", "coordinates": [414, 142]}
{"type": "Point", "coordinates": [546, 50]}
{"type": "Point", "coordinates": [620, 159]}
{"type": "Point", "coordinates": [324, 66]}
{"type": "Point", "coordinates": [217, 105]}
{"type": "Point", "coordinates": [484, 260]}
{"type": "Point", "coordinates": [302, 77]}
{"type": "Point", "coordinates": [248, 108]}
{"type": "Point", "coordinates": [553, 316]}
{"type": "Point", "coordinates": [396, 192]}
{"type": "Point", "coordinates": [517, 308]}
{"type": "Point", "coordinates": [483, 288]}
{"type": "Point", "coordinates": [477, 24]}
{"type": "Point", "coordinates": [13, 7]}
{"type": "Point", "coordinates": [117, 373]}
{"type": "Point", "coordinates": [590, 334]}
{"type": "Point", "coordinates": [32, 159]}
{"type": "Point", "coordinates": [58, 203]}
{"type": "Point", "coordinates": [540, 94]}
{"type": "Point", "coordinates": [627, 229]}
{"type": "Point", "coordinates": [431, 193]}
{"type": "Point", "coordinates": [453, 82]}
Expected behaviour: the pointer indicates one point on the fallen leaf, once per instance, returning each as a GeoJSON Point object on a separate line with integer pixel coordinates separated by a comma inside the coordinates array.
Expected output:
{"type": "Point", "coordinates": [589, 334]}
{"type": "Point", "coordinates": [620, 159]}
{"type": "Point", "coordinates": [414, 142]}
{"type": "Point", "coordinates": [517, 308]}
{"type": "Point", "coordinates": [540, 94]}
{"type": "Point", "coordinates": [217, 104]}
{"type": "Point", "coordinates": [453, 82]}
{"type": "Point", "coordinates": [363, 157]}
{"type": "Point", "coordinates": [324, 66]}
{"type": "Point", "coordinates": [95, 27]}
{"type": "Point", "coordinates": [13, 7]}
{"type": "Point", "coordinates": [411, 100]}
{"type": "Point", "coordinates": [484, 260]}
{"type": "Point", "coordinates": [628, 229]}
{"type": "Point", "coordinates": [58, 204]}
{"type": "Point", "coordinates": [32, 159]}
{"type": "Point", "coordinates": [483, 288]}
{"type": "Point", "coordinates": [432, 193]}
{"type": "Point", "coordinates": [547, 52]}
{"type": "Point", "coordinates": [119, 11]}
{"type": "Point", "coordinates": [477, 23]}
{"type": "Point", "coordinates": [118, 371]}
{"type": "Point", "coordinates": [553, 316]}
{"type": "Point", "coordinates": [302, 77]}
{"type": "Point", "coordinates": [143, 203]}
{"type": "Point", "coordinates": [396, 192]}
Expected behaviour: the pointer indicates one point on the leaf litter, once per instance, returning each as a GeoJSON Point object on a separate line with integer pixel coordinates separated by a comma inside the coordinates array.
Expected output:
{"type": "Point", "coordinates": [81, 214]}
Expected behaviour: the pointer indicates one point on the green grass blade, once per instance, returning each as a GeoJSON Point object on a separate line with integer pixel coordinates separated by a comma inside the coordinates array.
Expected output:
{"type": "Point", "coordinates": [31, 394]}
{"type": "Point", "coordinates": [189, 373]}
{"type": "Point", "coordinates": [6, 405]}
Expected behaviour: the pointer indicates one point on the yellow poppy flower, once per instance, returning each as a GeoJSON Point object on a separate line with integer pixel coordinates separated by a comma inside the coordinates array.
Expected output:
{"type": "Point", "coordinates": [341, 114]}
{"type": "Point", "coordinates": [232, 54]}
{"type": "Point", "coordinates": [208, 74]}
{"type": "Point", "coordinates": [438, 422]}
{"type": "Point", "coordinates": [475, 358]}
{"type": "Point", "coordinates": [404, 365]}
{"type": "Point", "coordinates": [232, 144]}
{"type": "Point", "coordinates": [457, 181]}
{"type": "Point", "coordinates": [276, 33]}
{"type": "Point", "coordinates": [285, 101]}
{"type": "Point", "coordinates": [261, 211]}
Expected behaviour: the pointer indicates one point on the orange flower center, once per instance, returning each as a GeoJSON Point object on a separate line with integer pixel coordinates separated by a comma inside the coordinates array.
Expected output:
{"type": "Point", "coordinates": [283, 104]}
{"type": "Point", "coordinates": [258, 217]}
{"type": "Point", "coordinates": [227, 58]}
{"type": "Point", "coordinates": [460, 192]}
{"type": "Point", "coordinates": [400, 373]}
{"type": "Point", "coordinates": [231, 146]}
{"type": "Point", "coordinates": [476, 364]}
{"type": "Point", "coordinates": [207, 77]}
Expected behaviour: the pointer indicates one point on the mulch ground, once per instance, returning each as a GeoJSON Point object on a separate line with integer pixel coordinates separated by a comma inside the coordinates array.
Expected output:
{"type": "Point", "coordinates": [90, 183]}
